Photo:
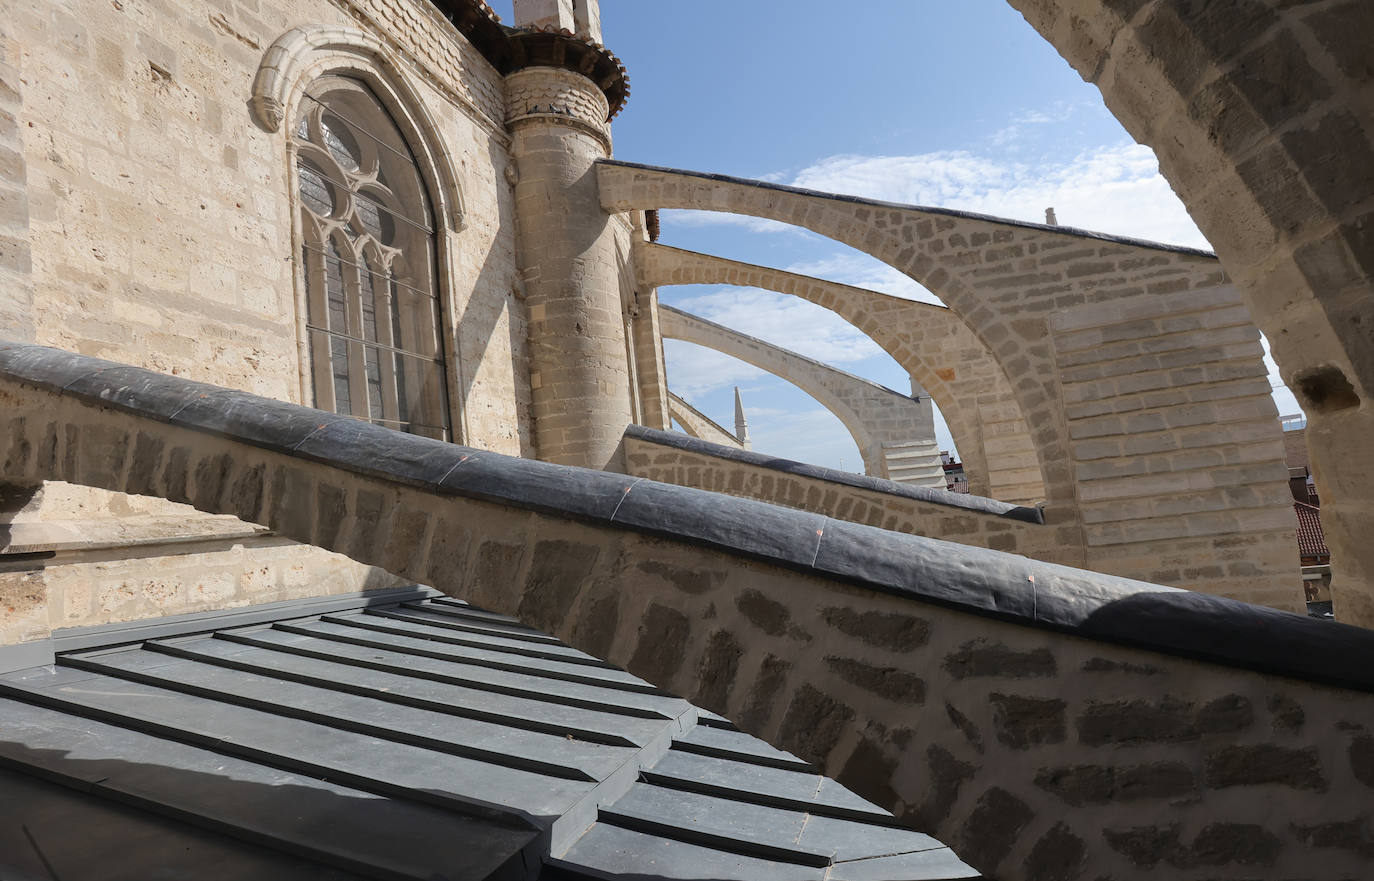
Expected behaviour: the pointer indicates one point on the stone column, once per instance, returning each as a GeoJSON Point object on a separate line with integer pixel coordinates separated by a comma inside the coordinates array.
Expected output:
{"type": "Point", "coordinates": [579, 370]}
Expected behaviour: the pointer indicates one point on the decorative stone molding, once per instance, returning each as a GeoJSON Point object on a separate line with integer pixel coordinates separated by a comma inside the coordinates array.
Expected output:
{"type": "Point", "coordinates": [548, 94]}
{"type": "Point", "coordinates": [304, 54]}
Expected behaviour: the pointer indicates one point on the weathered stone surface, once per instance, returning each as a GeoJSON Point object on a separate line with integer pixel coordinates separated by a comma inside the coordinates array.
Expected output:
{"type": "Point", "coordinates": [1362, 759]}
{"type": "Point", "coordinates": [947, 775]}
{"type": "Point", "coordinates": [211, 474]}
{"type": "Point", "coordinates": [1023, 722]}
{"type": "Point", "coordinates": [144, 467]}
{"type": "Point", "coordinates": [246, 497]}
{"type": "Point", "coordinates": [448, 546]}
{"type": "Point", "coordinates": [1224, 844]}
{"type": "Point", "coordinates": [995, 824]}
{"type": "Point", "coordinates": [692, 581]}
{"type": "Point", "coordinates": [558, 571]}
{"type": "Point", "coordinates": [1355, 836]}
{"type": "Point", "coordinates": [813, 723]}
{"type": "Point", "coordinates": [763, 696]}
{"type": "Point", "coordinates": [869, 771]}
{"type": "Point", "coordinates": [293, 496]}
{"type": "Point", "coordinates": [966, 727]}
{"type": "Point", "coordinates": [979, 658]}
{"type": "Point", "coordinates": [663, 634]}
{"type": "Point", "coordinates": [892, 683]}
{"type": "Point", "coordinates": [1103, 665]}
{"type": "Point", "coordinates": [1288, 715]}
{"type": "Point", "coordinates": [367, 519]}
{"type": "Point", "coordinates": [1103, 784]}
{"type": "Point", "coordinates": [331, 506]}
{"type": "Point", "coordinates": [719, 666]}
{"type": "Point", "coordinates": [599, 623]}
{"type": "Point", "coordinates": [405, 540]}
{"type": "Point", "coordinates": [768, 615]}
{"type": "Point", "coordinates": [1136, 721]}
{"type": "Point", "coordinates": [1225, 715]}
{"type": "Point", "coordinates": [1057, 856]}
{"type": "Point", "coordinates": [1144, 846]}
{"type": "Point", "coordinates": [1265, 763]}
{"type": "Point", "coordinates": [899, 633]}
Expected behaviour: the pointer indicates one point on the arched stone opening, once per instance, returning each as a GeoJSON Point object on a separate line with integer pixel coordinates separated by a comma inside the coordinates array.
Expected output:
{"type": "Point", "coordinates": [938, 350]}
{"type": "Point", "coordinates": [1260, 115]}
{"type": "Point", "coordinates": [1135, 364]}
{"type": "Point", "coordinates": [875, 416]}
{"type": "Point", "coordinates": [694, 423]}
{"type": "Point", "coordinates": [976, 265]}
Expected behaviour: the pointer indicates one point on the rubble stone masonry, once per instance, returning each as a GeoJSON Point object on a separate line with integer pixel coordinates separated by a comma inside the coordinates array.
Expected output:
{"type": "Point", "coordinates": [1048, 723]}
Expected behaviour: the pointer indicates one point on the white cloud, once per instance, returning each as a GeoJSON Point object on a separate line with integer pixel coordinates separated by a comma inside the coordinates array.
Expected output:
{"type": "Point", "coordinates": [782, 320]}
{"type": "Point", "coordinates": [693, 218]}
{"type": "Point", "coordinates": [1116, 190]}
{"type": "Point", "coordinates": [862, 271]}
{"type": "Point", "coordinates": [1027, 122]}
{"type": "Point", "coordinates": [695, 371]}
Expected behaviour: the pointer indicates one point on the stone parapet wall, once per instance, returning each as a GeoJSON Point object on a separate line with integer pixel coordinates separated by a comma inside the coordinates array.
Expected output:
{"type": "Point", "coordinates": [934, 513]}
{"type": "Point", "coordinates": [1045, 721]}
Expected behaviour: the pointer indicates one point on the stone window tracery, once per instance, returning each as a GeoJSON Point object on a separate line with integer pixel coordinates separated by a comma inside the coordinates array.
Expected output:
{"type": "Point", "coordinates": [369, 258]}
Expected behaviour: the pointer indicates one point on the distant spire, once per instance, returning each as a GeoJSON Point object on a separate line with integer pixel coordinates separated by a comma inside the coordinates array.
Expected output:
{"type": "Point", "coordinates": [741, 424]}
{"type": "Point", "coordinates": [1050, 219]}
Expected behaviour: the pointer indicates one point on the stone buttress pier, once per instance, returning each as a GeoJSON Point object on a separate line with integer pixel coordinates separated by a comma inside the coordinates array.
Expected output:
{"type": "Point", "coordinates": [567, 252]}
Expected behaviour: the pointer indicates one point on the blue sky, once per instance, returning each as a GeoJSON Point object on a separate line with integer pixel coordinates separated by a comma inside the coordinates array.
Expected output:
{"type": "Point", "coordinates": [950, 103]}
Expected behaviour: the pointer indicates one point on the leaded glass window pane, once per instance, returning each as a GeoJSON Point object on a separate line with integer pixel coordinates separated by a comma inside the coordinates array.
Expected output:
{"type": "Point", "coordinates": [373, 315]}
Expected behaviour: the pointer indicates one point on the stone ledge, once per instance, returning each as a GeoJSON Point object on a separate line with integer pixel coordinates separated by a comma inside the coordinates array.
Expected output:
{"type": "Point", "coordinates": [974, 581]}
{"type": "Point", "coordinates": [926, 495]}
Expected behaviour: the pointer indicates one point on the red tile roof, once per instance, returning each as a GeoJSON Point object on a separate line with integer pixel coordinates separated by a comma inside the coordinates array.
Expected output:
{"type": "Point", "coordinates": [1311, 542]}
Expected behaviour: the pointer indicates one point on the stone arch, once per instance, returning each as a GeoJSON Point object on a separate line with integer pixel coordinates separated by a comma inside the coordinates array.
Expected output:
{"type": "Point", "coordinates": [936, 348]}
{"type": "Point", "coordinates": [876, 417]}
{"type": "Point", "coordinates": [1260, 115]}
{"type": "Point", "coordinates": [698, 425]}
{"type": "Point", "coordinates": [1003, 278]}
{"type": "Point", "coordinates": [1136, 366]}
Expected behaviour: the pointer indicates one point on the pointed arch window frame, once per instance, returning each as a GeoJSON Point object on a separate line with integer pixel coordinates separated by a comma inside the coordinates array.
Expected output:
{"type": "Point", "coordinates": [301, 57]}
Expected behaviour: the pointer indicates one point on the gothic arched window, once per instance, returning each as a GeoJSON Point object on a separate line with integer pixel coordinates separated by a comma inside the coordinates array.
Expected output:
{"type": "Point", "coordinates": [368, 250]}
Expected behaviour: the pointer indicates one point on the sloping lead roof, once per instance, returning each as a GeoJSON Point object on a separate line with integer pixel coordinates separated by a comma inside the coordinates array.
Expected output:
{"type": "Point", "coordinates": [406, 736]}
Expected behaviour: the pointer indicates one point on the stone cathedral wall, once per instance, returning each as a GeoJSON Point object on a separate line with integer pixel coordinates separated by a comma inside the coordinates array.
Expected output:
{"type": "Point", "coordinates": [146, 219]}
